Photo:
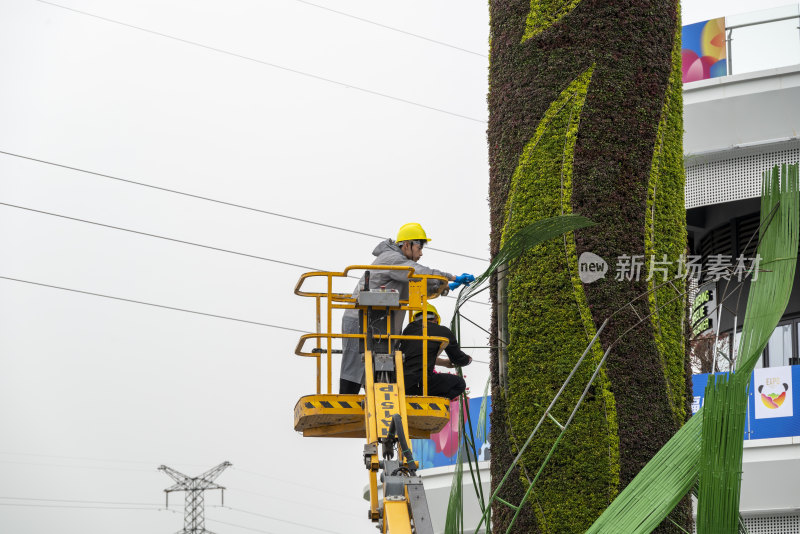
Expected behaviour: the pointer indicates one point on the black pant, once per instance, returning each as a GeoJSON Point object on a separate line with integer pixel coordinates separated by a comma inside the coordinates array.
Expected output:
{"type": "Point", "coordinates": [439, 385]}
{"type": "Point", "coordinates": [346, 387]}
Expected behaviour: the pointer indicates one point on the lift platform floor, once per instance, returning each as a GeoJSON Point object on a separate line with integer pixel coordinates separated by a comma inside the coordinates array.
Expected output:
{"type": "Point", "coordinates": [342, 416]}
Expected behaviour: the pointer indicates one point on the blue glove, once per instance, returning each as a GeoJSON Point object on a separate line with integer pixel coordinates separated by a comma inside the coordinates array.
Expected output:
{"type": "Point", "coordinates": [464, 278]}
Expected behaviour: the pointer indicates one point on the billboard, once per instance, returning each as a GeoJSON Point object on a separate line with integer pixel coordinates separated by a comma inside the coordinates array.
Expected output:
{"type": "Point", "coordinates": [770, 414]}
{"type": "Point", "coordinates": [442, 448]}
{"type": "Point", "coordinates": [703, 50]}
{"type": "Point", "coordinates": [703, 307]}
{"type": "Point", "coordinates": [770, 405]}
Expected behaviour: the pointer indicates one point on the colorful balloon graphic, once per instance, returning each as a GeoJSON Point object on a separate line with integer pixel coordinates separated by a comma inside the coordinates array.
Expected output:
{"type": "Point", "coordinates": [703, 52]}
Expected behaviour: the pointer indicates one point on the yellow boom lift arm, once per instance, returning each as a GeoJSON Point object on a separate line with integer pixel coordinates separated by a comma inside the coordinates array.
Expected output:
{"type": "Point", "coordinates": [385, 416]}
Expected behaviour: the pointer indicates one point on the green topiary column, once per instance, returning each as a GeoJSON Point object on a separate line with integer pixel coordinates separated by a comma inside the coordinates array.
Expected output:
{"type": "Point", "coordinates": [586, 118]}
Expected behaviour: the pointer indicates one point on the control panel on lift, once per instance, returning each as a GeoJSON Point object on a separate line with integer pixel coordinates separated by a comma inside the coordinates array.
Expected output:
{"type": "Point", "coordinates": [380, 297]}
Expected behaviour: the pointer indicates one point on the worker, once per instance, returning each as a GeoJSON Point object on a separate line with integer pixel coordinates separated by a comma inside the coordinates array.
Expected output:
{"type": "Point", "coordinates": [406, 250]}
{"type": "Point", "coordinates": [439, 384]}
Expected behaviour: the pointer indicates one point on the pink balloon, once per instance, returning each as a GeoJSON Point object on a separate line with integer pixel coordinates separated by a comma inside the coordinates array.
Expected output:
{"type": "Point", "coordinates": [688, 57]}
{"type": "Point", "coordinates": [695, 68]}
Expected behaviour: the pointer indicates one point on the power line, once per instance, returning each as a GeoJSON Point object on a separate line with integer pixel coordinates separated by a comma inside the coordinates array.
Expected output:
{"type": "Point", "coordinates": [75, 466]}
{"type": "Point", "coordinates": [150, 505]}
{"type": "Point", "coordinates": [393, 28]}
{"type": "Point", "coordinates": [155, 305]}
{"type": "Point", "coordinates": [107, 460]}
{"type": "Point", "coordinates": [306, 486]}
{"type": "Point", "coordinates": [218, 249]}
{"type": "Point", "coordinates": [217, 201]}
{"type": "Point", "coordinates": [305, 504]}
{"type": "Point", "coordinates": [155, 508]}
{"type": "Point", "coordinates": [73, 502]}
{"type": "Point", "coordinates": [77, 507]}
{"type": "Point", "coordinates": [161, 237]}
{"type": "Point", "coordinates": [255, 529]}
{"type": "Point", "coordinates": [240, 526]}
{"type": "Point", "coordinates": [267, 63]}
{"type": "Point", "coordinates": [81, 501]}
{"type": "Point", "coordinates": [281, 520]}
{"type": "Point", "coordinates": [181, 241]}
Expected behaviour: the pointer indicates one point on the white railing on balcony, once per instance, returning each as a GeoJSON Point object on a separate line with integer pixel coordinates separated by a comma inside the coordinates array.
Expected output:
{"type": "Point", "coordinates": [762, 40]}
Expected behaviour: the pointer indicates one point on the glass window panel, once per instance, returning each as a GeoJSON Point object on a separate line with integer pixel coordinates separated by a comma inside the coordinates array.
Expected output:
{"type": "Point", "coordinates": [760, 40]}
{"type": "Point", "coordinates": [736, 338]}
{"type": "Point", "coordinates": [764, 46]}
{"type": "Point", "coordinates": [723, 353]}
{"type": "Point", "coordinates": [780, 346]}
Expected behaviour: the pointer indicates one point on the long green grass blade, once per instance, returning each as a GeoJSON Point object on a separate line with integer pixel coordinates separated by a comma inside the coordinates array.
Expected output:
{"type": "Point", "coordinates": [769, 292]}
{"type": "Point", "coordinates": [557, 441]}
{"type": "Point", "coordinates": [658, 487]}
{"type": "Point", "coordinates": [482, 433]}
{"type": "Point", "coordinates": [742, 526]}
{"type": "Point", "coordinates": [485, 519]}
{"type": "Point", "coordinates": [523, 240]}
{"type": "Point", "coordinates": [471, 452]}
{"type": "Point", "coordinates": [726, 397]}
{"type": "Point", "coordinates": [454, 519]}
{"type": "Point", "coordinates": [526, 238]}
{"type": "Point", "coordinates": [721, 457]}
{"type": "Point", "coordinates": [671, 473]}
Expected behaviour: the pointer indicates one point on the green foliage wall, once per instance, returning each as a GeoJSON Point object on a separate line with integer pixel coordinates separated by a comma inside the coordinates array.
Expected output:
{"type": "Point", "coordinates": [585, 117]}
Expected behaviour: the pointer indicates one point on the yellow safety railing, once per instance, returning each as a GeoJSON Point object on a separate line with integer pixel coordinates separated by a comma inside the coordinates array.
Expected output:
{"type": "Point", "coordinates": [417, 301]}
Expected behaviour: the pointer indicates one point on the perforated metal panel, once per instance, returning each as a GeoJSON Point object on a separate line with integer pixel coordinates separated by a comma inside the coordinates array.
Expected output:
{"type": "Point", "coordinates": [770, 524]}
{"type": "Point", "coordinates": [733, 174]}
{"type": "Point", "coordinates": [777, 524]}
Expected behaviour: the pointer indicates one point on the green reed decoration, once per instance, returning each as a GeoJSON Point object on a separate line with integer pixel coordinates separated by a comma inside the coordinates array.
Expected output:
{"type": "Point", "coordinates": [710, 445]}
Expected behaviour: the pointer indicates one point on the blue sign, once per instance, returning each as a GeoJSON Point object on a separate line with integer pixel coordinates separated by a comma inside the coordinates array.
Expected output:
{"type": "Point", "coordinates": [442, 448]}
{"type": "Point", "coordinates": [764, 417]}
{"type": "Point", "coordinates": [767, 419]}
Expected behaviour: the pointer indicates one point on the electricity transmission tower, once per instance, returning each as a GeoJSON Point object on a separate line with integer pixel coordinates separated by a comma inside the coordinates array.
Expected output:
{"type": "Point", "coordinates": [194, 509]}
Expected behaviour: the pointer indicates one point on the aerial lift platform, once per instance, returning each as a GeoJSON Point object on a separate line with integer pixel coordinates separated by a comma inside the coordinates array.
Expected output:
{"type": "Point", "coordinates": [385, 416]}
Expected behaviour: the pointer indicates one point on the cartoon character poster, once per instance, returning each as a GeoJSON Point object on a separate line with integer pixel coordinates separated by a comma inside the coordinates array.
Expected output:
{"type": "Point", "coordinates": [773, 392]}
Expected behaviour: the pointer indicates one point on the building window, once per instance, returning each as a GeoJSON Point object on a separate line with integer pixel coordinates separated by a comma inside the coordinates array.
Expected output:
{"type": "Point", "coordinates": [780, 347]}
{"type": "Point", "coordinates": [783, 348]}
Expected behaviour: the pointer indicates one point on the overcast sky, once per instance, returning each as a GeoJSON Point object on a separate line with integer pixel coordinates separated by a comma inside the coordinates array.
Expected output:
{"type": "Point", "coordinates": [278, 105]}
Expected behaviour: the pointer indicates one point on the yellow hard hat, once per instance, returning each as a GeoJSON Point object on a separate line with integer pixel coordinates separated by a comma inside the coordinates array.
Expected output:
{"type": "Point", "coordinates": [411, 231]}
{"type": "Point", "coordinates": [430, 309]}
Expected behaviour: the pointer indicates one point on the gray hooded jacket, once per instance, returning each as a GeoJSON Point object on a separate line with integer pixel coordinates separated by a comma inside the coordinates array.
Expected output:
{"type": "Point", "coordinates": [386, 253]}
